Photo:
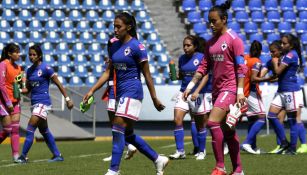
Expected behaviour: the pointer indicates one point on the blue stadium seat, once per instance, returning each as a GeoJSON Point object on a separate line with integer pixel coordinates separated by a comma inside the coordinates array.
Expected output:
{"type": "Point", "coordinates": [49, 59]}
{"type": "Point", "coordinates": [51, 25]}
{"type": "Point", "coordinates": [200, 28]}
{"type": "Point", "coordinates": [238, 5]}
{"type": "Point", "coordinates": [177, 82]}
{"type": "Point", "coordinates": [58, 15]}
{"type": "Point", "coordinates": [256, 36]}
{"type": "Point", "coordinates": [80, 71]}
{"type": "Point", "coordinates": [98, 26]}
{"type": "Point", "coordinates": [78, 48]}
{"type": "Point", "coordinates": [36, 37]}
{"type": "Point", "coordinates": [284, 27]}
{"type": "Point", "coordinates": [90, 80]}
{"type": "Point", "coordinates": [94, 48]}
{"type": "Point", "coordinates": [64, 71]}
{"type": "Point", "coordinates": [75, 15]}
{"type": "Point", "coordinates": [83, 26]}
{"type": "Point", "coordinates": [108, 16]}
{"type": "Point", "coordinates": [158, 49]}
{"type": "Point", "coordinates": [289, 16]}
{"type": "Point", "coordinates": [25, 15]}
{"type": "Point", "coordinates": [62, 49]}
{"type": "Point", "coordinates": [271, 5]}
{"type": "Point", "coordinates": [153, 71]}
{"type": "Point", "coordinates": [265, 49]}
{"type": "Point", "coordinates": [40, 4]}
{"type": "Point", "coordinates": [159, 81]}
{"type": "Point", "coordinates": [24, 4]}
{"type": "Point", "coordinates": [67, 26]}
{"type": "Point", "coordinates": [163, 60]}
{"type": "Point", "coordinates": [137, 5]}
{"type": "Point", "coordinates": [188, 5]}
{"type": "Point", "coordinates": [206, 15]}
{"type": "Point", "coordinates": [105, 5]}
{"type": "Point", "coordinates": [110, 29]}
{"type": "Point", "coordinates": [265, 58]}
{"type": "Point", "coordinates": [91, 16]}
{"type": "Point", "coordinates": [303, 16]}
{"type": "Point", "coordinates": [86, 38]}
{"type": "Point", "coordinates": [273, 16]}
{"type": "Point", "coordinates": [142, 16]}
{"type": "Point", "coordinates": [255, 5]}
{"type": "Point", "coordinates": [206, 36]}
{"type": "Point", "coordinates": [304, 38]}
{"type": "Point", "coordinates": [41, 15]}
{"type": "Point", "coordinates": [286, 5]}
{"type": "Point", "coordinates": [89, 5]}
{"type": "Point", "coordinates": [301, 27]}
{"type": "Point", "coordinates": [5, 26]}
{"type": "Point", "coordinates": [194, 16]}
{"type": "Point", "coordinates": [73, 4]}
{"type": "Point", "coordinates": [267, 27]}
{"type": "Point", "coordinates": [147, 27]}
{"type": "Point", "coordinates": [272, 37]}
{"type": "Point", "coordinates": [69, 37]}
{"type": "Point", "coordinates": [229, 17]}
{"type": "Point", "coordinates": [153, 38]}
{"type": "Point", "coordinates": [52, 37]}
{"type": "Point", "coordinates": [8, 4]}
{"type": "Point", "coordinates": [102, 38]}
{"type": "Point", "coordinates": [234, 26]}
{"type": "Point", "coordinates": [243, 37]}
{"type": "Point", "coordinates": [241, 16]}
{"type": "Point", "coordinates": [96, 59]}
{"type": "Point", "coordinates": [8, 14]}
{"type": "Point", "coordinates": [75, 81]}
{"type": "Point", "coordinates": [246, 48]}
{"type": "Point", "coordinates": [5, 37]}
{"type": "Point", "coordinates": [62, 80]}
{"type": "Point", "coordinates": [47, 48]}
{"type": "Point", "coordinates": [121, 5]}
{"type": "Point", "coordinates": [257, 16]}
{"type": "Point", "coordinates": [250, 27]}
{"type": "Point", "coordinates": [301, 5]}
{"type": "Point", "coordinates": [56, 4]}
{"type": "Point", "coordinates": [20, 37]}
{"type": "Point", "coordinates": [19, 25]}
{"type": "Point", "coordinates": [64, 60]}
{"type": "Point", "coordinates": [98, 70]}
{"type": "Point", "coordinates": [205, 5]}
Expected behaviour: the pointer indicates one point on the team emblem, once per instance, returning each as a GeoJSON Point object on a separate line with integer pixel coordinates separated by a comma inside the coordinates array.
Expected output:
{"type": "Point", "coordinates": [121, 100]}
{"type": "Point", "coordinates": [127, 51]}
{"type": "Point", "coordinates": [39, 73]}
{"type": "Point", "coordinates": [224, 46]}
{"type": "Point", "coordinates": [195, 62]}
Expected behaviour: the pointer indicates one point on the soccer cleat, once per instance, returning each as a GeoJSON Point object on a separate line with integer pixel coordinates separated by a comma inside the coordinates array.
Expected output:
{"type": "Point", "coordinates": [85, 106]}
{"type": "Point", "coordinates": [284, 146]}
{"type": "Point", "coordinates": [107, 159]}
{"type": "Point", "coordinates": [177, 155]}
{"type": "Point", "coordinates": [59, 158]}
{"type": "Point", "coordinates": [218, 171]}
{"type": "Point", "coordinates": [160, 164]}
{"type": "Point", "coordinates": [110, 172]}
{"type": "Point", "coordinates": [226, 150]}
{"type": "Point", "coordinates": [302, 149]}
{"type": "Point", "coordinates": [248, 148]}
{"type": "Point", "coordinates": [289, 151]}
{"type": "Point", "coordinates": [236, 173]}
{"type": "Point", "coordinates": [274, 151]}
{"type": "Point", "coordinates": [130, 152]}
{"type": "Point", "coordinates": [201, 155]}
{"type": "Point", "coordinates": [21, 159]}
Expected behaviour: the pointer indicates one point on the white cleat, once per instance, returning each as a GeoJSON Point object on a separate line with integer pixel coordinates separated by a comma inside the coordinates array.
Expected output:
{"type": "Point", "coordinates": [226, 150]}
{"type": "Point", "coordinates": [234, 173]}
{"type": "Point", "coordinates": [160, 164]}
{"type": "Point", "coordinates": [110, 172]}
{"type": "Point", "coordinates": [248, 148]}
{"type": "Point", "coordinates": [177, 155]}
{"type": "Point", "coordinates": [107, 159]}
{"type": "Point", "coordinates": [201, 155]}
{"type": "Point", "coordinates": [130, 152]}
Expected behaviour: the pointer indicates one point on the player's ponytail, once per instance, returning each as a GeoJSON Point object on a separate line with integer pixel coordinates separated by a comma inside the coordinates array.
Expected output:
{"type": "Point", "coordinates": [255, 49]}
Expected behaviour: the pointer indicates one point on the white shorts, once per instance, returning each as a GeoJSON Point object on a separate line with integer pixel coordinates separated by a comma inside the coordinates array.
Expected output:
{"type": "Point", "coordinates": [255, 105]}
{"type": "Point", "coordinates": [40, 110]}
{"type": "Point", "coordinates": [111, 105]}
{"type": "Point", "coordinates": [129, 108]}
{"type": "Point", "coordinates": [290, 101]}
{"type": "Point", "coordinates": [202, 105]}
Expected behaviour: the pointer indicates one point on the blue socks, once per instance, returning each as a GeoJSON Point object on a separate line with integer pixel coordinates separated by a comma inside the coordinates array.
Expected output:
{"type": "Point", "coordinates": [293, 130]}
{"type": "Point", "coordinates": [29, 139]}
{"type": "Point", "coordinates": [49, 139]}
{"type": "Point", "coordinates": [179, 136]}
{"type": "Point", "coordinates": [201, 136]}
{"type": "Point", "coordinates": [194, 134]}
{"type": "Point", "coordinates": [254, 130]}
{"type": "Point", "coordinates": [302, 133]}
{"type": "Point", "coordinates": [278, 127]}
{"type": "Point", "coordinates": [118, 133]}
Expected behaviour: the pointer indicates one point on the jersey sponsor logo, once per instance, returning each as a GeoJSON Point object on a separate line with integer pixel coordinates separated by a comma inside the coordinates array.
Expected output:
{"type": "Point", "coordinates": [224, 46]}
{"type": "Point", "coordinates": [34, 83]}
{"type": "Point", "coordinates": [217, 57]}
{"type": "Point", "coordinates": [127, 51]}
{"type": "Point", "coordinates": [120, 66]}
{"type": "Point", "coordinates": [39, 72]}
{"type": "Point", "coordinates": [290, 55]}
{"type": "Point", "coordinates": [195, 62]}
{"type": "Point", "coordinates": [141, 47]}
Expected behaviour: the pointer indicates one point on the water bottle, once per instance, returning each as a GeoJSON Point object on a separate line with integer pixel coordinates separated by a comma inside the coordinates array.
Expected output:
{"type": "Point", "coordinates": [172, 68]}
{"type": "Point", "coordinates": [16, 91]}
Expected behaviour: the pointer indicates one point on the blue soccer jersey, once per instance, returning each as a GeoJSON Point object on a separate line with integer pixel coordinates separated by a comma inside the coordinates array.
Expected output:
{"type": "Point", "coordinates": [126, 59]}
{"type": "Point", "coordinates": [38, 78]}
{"type": "Point", "coordinates": [187, 67]}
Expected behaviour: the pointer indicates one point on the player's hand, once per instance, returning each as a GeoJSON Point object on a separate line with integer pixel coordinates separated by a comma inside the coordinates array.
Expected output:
{"type": "Point", "coordinates": [24, 90]}
{"type": "Point", "coordinates": [158, 105]}
{"type": "Point", "coordinates": [69, 104]}
{"type": "Point", "coordinates": [275, 60]}
{"type": "Point", "coordinates": [10, 108]}
{"type": "Point", "coordinates": [185, 94]}
{"type": "Point", "coordinates": [194, 96]}
{"type": "Point", "coordinates": [87, 96]}
{"type": "Point", "coordinates": [241, 99]}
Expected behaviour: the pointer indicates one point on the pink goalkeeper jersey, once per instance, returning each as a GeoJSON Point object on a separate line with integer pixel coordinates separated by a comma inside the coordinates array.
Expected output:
{"type": "Point", "coordinates": [223, 56]}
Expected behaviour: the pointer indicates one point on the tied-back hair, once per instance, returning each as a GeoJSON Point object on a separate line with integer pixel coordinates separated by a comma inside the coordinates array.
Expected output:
{"type": "Point", "coordinates": [128, 19]}
{"type": "Point", "coordinates": [38, 51]}
{"type": "Point", "coordinates": [296, 44]}
{"type": "Point", "coordinates": [10, 48]}
{"type": "Point", "coordinates": [197, 42]}
{"type": "Point", "coordinates": [221, 9]}
{"type": "Point", "coordinates": [277, 44]}
{"type": "Point", "coordinates": [255, 49]}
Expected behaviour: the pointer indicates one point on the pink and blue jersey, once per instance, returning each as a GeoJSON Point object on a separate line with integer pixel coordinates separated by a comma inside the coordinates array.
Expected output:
{"type": "Point", "coordinates": [224, 57]}
{"type": "Point", "coordinates": [38, 78]}
{"type": "Point", "coordinates": [126, 59]}
{"type": "Point", "coordinates": [187, 67]}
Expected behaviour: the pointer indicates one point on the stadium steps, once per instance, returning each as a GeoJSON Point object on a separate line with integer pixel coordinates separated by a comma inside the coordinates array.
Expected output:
{"type": "Point", "coordinates": [61, 129]}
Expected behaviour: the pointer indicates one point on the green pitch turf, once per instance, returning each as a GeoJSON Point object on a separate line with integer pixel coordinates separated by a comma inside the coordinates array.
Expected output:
{"type": "Point", "coordinates": [85, 158]}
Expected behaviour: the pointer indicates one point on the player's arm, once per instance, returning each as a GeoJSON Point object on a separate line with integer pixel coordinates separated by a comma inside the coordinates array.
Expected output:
{"type": "Point", "coordinates": [57, 82]}
{"type": "Point", "coordinates": [256, 78]}
{"type": "Point", "coordinates": [3, 90]}
{"type": "Point", "coordinates": [201, 85]}
{"type": "Point", "coordinates": [278, 69]}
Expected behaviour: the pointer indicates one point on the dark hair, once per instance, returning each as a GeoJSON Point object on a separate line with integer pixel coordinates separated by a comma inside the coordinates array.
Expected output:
{"type": "Point", "coordinates": [195, 41]}
{"type": "Point", "coordinates": [128, 19]}
{"type": "Point", "coordinates": [10, 48]}
{"type": "Point", "coordinates": [277, 44]}
{"type": "Point", "coordinates": [221, 9]}
{"type": "Point", "coordinates": [38, 51]}
{"type": "Point", "coordinates": [296, 44]}
{"type": "Point", "coordinates": [255, 49]}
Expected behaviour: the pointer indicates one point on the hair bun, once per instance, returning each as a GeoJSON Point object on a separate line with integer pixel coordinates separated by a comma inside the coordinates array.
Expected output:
{"type": "Point", "coordinates": [226, 5]}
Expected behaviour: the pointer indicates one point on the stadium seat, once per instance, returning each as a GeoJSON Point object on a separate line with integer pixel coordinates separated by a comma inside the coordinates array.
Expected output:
{"type": "Point", "coordinates": [36, 37]}
{"type": "Point", "coordinates": [83, 26]}
{"type": "Point", "coordinates": [40, 4]}
{"type": "Point", "coordinates": [177, 82]}
{"type": "Point", "coordinates": [137, 5]}
{"type": "Point", "coordinates": [51, 25]}
{"type": "Point", "coordinates": [78, 48]}
{"type": "Point", "coordinates": [64, 71]}
{"type": "Point", "coordinates": [188, 5]}
{"type": "Point", "coordinates": [56, 4]}
{"type": "Point", "coordinates": [243, 37]}
{"type": "Point", "coordinates": [250, 27]}
{"type": "Point", "coordinates": [89, 5]}
{"type": "Point", "coordinates": [48, 59]}
{"type": "Point", "coordinates": [194, 16]}
{"type": "Point", "coordinates": [301, 27]}
{"type": "Point", "coordinates": [94, 48]}
{"type": "Point", "coordinates": [265, 49]}
{"type": "Point", "coordinates": [229, 17]}
{"type": "Point", "coordinates": [91, 16]}
{"type": "Point", "coordinates": [19, 25]}
{"type": "Point", "coordinates": [47, 48]}
{"type": "Point", "coordinates": [153, 38]}
{"type": "Point", "coordinates": [67, 26]}
{"type": "Point", "coordinates": [62, 49]}
{"type": "Point", "coordinates": [272, 37]}
{"type": "Point", "coordinates": [108, 16]}
{"type": "Point", "coordinates": [8, 15]}
{"type": "Point", "coordinates": [41, 15]}
{"type": "Point", "coordinates": [74, 4]}
{"type": "Point", "coordinates": [64, 60]}
{"type": "Point", "coordinates": [62, 80]}
{"type": "Point", "coordinates": [110, 29]}
{"type": "Point", "coordinates": [206, 36]}
{"type": "Point", "coordinates": [241, 16]}
{"type": "Point", "coordinates": [267, 27]}
{"type": "Point", "coordinates": [69, 37]}
{"type": "Point", "coordinates": [5, 26]}
{"type": "Point", "coordinates": [284, 27]}
{"type": "Point", "coordinates": [105, 5]}
{"type": "Point", "coordinates": [158, 49]}
{"type": "Point", "coordinates": [238, 5]}
{"type": "Point", "coordinates": [142, 16]}
{"type": "Point", "coordinates": [25, 15]}
{"type": "Point", "coordinates": [301, 5]}
{"type": "Point", "coordinates": [271, 5]}
{"type": "Point", "coordinates": [5, 37]}
{"type": "Point", "coordinates": [200, 28]}
{"type": "Point", "coordinates": [58, 15]}
{"type": "Point", "coordinates": [273, 16]}
{"type": "Point", "coordinates": [35, 25]}
{"type": "Point", "coordinates": [163, 60]}
{"type": "Point", "coordinates": [80, 71]}
{"type": "Point", "coordinates": [98, 26]}
{"type": "Point", "coordinates": [289, 16]}
{"type": "Point", "coordinates": [102, 38]}
{"type": "Point", "coordinates": [159, 81]}
{"type": "Point", "coordinates": [255, 5]}
{"type": "Point", "coordinates": [256, 36]}
{"type": "Point", "coordinates": [97, 59]}
{"type": "Point", "coordinates": [246, 48]}
{"type": "Point", "coordinates": [98, 70]}
{"type": "Point", "coordinates": [52, 37]}
{"type": "Point", "coordinates": [205, 5]}
{"type": "Point", "coordinates": [90, 80]}
{"type": "Point", "coordinates": [265, 58]}
{"type": "Point", "coordinates": [8, 4]}
{"type": "Point", "coordinates": [153, 71]}
{"type": "Point", "coordinates": [75, 15]}
{"type": "Point", "coordinates": [286, 5]}
{"type": "Point", "coordinates": [86, 38]}
{"type": "Point", "coordinates": [147, 27]}
{"type": "Point", "coordinates": [121, 5]}
{"type": "Point", "coordinates": [20, 37]}
{"type": "Point", "coordinates": [304, 38]}
{"type": "Point", "coordinates": [24, 4]}
{"type": "Point", "coordinates": [234, 26]}
{"type": "Point", "coordinates": [75, 81]}
{"type": "Point", "coordinates": [205, 16]}
{"type": "Point", "coordinates": [303, 16]}
{"type": "Point", "coordinates": [257, 16]}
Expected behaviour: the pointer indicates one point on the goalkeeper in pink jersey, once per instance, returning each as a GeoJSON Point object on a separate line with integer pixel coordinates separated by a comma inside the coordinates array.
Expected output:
{"type": "Point", "coordinates": [224, 57]}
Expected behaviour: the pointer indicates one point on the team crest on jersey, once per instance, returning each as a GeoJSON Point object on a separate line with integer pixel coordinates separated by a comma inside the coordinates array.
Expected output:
{"type": "Point", "coordinates": [195, 62]}
{"type": "Point", "coordinates": [224, 46]}
{"type": "Point", "coordinates": [127, 51]}
{"type": "Point", "coordinates": [121, 100]}
{"type": "Point", "coordinates": [39, 72]}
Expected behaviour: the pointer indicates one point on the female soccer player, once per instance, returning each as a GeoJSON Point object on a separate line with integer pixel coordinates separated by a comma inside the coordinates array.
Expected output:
{"type": "Point", "coordinates": [198, 104]}
{"type": "Point", "coordinates": [129, 59]}
{"type": "Point", "coordinates": [224, 57]}
{"type": "Point", "coordinates": [38, 78]}
{"type": "Point", "coordinates": [10, 111]}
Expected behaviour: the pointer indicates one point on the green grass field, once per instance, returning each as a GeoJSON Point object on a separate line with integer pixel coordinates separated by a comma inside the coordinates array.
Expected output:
{"type": "Point", "coordinates": [85, 158]}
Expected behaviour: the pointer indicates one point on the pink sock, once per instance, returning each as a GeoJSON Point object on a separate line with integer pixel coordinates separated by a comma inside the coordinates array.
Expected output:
{"type": "Point", "coordinates": [5, 132]}
{"type": "Point", "coordinates": [217, 142]}
{"type": "Point", "coordinates": [15, 138]}
{"type": "Point", "coordinates": [233, 143]}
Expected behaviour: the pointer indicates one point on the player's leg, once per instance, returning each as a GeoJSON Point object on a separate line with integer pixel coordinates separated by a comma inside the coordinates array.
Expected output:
{"type": "Point", "coordinates": [15, 118]}
{"type": "Point", "coordinates": [6, 127]}
{"type": "Point", "coordinates": [194, 135]}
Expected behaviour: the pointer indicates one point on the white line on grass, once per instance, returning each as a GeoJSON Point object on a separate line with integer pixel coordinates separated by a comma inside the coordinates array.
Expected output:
{"type": "Point", "coordinates": [174, 145]}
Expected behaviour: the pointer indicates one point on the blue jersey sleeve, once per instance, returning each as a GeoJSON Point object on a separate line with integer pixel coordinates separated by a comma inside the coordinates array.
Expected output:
{"type": "Point", "coordinates": [141, 53]}
{"type": "Point", "coordinates": [288, 59]}
{"type": "Point", "coordinates": [49, 71]}
{"type": "Point", "coordinates": [257, 67]}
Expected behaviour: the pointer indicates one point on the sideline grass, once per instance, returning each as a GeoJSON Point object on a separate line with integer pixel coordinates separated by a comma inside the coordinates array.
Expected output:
{"type": "Point", "coordinates": [85, 158]}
